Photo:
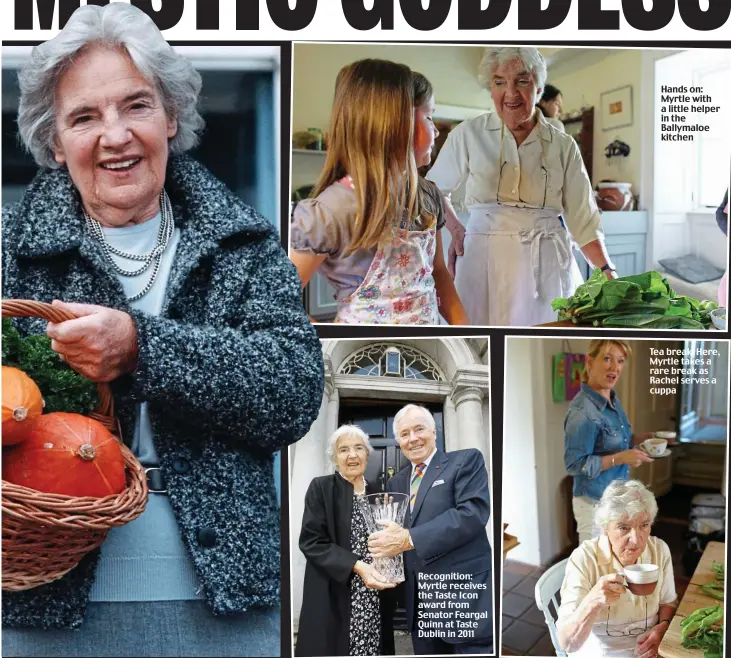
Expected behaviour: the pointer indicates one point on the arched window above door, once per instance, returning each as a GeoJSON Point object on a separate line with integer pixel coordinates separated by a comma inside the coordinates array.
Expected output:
{"type": "Point", "coordinates": [391, 360]}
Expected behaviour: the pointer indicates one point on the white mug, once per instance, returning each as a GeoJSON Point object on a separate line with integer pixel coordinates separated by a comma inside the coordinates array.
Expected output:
{"type": "Point", "coordinates": [654, 447]}
{"type": "Point", "coordinates": [641, 578]}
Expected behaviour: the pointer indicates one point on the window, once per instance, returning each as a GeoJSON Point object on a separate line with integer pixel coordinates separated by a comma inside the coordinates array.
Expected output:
{"type": "Point", "coordinates": [713, 168]}
{"type": "Point", "coordinates": [384, 359]}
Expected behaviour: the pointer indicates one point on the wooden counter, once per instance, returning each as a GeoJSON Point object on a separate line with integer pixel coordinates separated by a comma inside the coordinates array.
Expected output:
{"type": "Point", "coordinates": [715, 551]}
{"type": "Point", "coordinates": [671, 645]}
{"type": "Point", "coordinates": [509, 541]}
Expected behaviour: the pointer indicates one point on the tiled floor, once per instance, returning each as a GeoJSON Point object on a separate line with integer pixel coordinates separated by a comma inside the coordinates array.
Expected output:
{"type": "Point", "coordinates": [524, 629]}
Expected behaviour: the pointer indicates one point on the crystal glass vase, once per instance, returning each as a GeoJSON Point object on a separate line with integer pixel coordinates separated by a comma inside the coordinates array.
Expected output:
{"type": "Point", "coordinates": [383, 507]}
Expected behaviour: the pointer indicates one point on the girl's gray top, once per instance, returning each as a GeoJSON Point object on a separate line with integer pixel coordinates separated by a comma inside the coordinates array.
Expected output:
{"type": "Point", "coordinates": [324, 225]}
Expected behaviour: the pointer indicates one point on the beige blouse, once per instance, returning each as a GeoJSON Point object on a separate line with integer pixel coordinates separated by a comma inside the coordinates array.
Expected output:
{"type": "Point", "coordinates": [545, 171]}
{"type": "Point", "coordinates": [594, 559]}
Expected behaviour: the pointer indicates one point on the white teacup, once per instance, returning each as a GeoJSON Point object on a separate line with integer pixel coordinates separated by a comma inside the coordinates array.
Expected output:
{"type": "Point", "coordinates": [654, 447]}
{"type": "Point", "coordinates": [641, 578]}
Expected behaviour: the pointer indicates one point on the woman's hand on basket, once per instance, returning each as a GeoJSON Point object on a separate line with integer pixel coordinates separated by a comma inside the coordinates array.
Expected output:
{"type": "Point", "coordinates": [100, 343]}
{"type": "Point", "coordinates": [370, 576]}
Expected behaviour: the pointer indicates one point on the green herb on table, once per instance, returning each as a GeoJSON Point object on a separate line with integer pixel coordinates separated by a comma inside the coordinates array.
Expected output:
{"type": "Point", "coordinates": [61, 387]}
{"type": "Point", "coordinates": [641, 301]}
{"type": "Point", "coordinates": [714, 589]}
{"type": "Point", "coordinates": [703, 629]}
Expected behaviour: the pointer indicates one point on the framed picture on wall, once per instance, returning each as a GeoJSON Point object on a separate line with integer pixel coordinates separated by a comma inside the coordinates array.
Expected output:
{"type": "Point", "coordinates": [616, 107]}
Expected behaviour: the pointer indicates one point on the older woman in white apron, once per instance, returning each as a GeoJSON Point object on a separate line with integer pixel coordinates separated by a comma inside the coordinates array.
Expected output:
{"type": "Point", "coordinates": [599, 615]}
{"type": "Point", "coordinates": [521, 175]}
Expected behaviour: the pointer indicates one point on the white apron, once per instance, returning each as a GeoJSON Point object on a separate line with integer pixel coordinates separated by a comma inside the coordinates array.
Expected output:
{"type": "Point", "coordinates": [516, 262]}
{"type": "Point", "coordinates": [399, 286]}
{"type": "Point", "coordinates": [600, 644]}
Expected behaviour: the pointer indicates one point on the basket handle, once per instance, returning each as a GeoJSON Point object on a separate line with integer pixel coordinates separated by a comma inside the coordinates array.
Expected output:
{"type": "Point", "coordinates": [25, 308]}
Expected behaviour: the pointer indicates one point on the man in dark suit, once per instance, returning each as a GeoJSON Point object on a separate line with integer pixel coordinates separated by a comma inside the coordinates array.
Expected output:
{"type": "Point", "coordinates": [447, 558]}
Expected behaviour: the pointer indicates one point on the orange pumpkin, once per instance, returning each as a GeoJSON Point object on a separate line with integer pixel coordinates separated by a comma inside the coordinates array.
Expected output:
{"type": "Point", "coordinates": [22, 401]}
{"type": "Point", "coordinates": [67, 454]}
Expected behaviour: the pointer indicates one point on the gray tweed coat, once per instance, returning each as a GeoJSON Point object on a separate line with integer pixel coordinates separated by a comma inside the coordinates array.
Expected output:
{"type": "Point", "coordinates": [232, 371]}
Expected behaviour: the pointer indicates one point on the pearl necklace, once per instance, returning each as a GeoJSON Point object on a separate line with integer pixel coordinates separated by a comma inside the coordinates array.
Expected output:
{"type": "Point", "coordinates": [150, 259]}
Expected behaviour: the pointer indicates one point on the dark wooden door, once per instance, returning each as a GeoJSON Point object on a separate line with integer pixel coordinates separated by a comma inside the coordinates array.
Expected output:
{"type": "Point", "coordinates": [376, 420]}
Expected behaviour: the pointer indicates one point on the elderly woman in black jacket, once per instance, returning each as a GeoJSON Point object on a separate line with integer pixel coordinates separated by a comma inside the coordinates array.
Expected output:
{"type": "Point", "coordinates": [190, 309]}
{"type": "Point", "coordinates": [344, 613]}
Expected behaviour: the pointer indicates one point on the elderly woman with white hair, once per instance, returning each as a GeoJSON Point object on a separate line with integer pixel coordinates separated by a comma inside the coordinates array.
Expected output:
{"type": "Point", "coordinates": [343, 613]}
{"type": "Point", "coordinates": [187, 305]}
{"type": "Point", "coordinates": [521, 174]}
{"type": "Point", "coordinates": [599, 615]}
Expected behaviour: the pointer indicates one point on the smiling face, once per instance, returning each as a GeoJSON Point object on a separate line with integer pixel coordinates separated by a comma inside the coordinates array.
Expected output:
{"type": "Point", "coordinates": [351, 456]}
{"type": "Point", "coordinates": [425, 132]}
{"type": "Point", "coordinates": [514, 93]}
{"type": "Point", "coordinates": [629, 536]}
{"type": "Point", "coordinates": [604, 369]}
{"type": "Point", "coordinates": [112, 133]}
{"type": "Point", "coordinates": [415, 435]}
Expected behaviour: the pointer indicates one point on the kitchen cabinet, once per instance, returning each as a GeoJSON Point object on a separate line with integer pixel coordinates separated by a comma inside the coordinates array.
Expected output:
{"type": "Point", "coordinates": [625, 236]}
{"type": "Point", "coordinates": [657, 476]}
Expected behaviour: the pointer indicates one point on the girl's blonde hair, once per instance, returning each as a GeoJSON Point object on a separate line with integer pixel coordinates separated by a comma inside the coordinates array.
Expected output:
{"type": "Point", "coordinates": [598, 347]}
{"type": "Point", "coordinates": [371, 139]}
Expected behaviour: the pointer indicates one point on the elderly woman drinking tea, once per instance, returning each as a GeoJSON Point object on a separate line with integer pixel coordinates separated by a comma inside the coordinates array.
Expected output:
{"type": "Point", "coordinates": [188, 306]}
{"type": "Point", "coordinates": [603, 610]}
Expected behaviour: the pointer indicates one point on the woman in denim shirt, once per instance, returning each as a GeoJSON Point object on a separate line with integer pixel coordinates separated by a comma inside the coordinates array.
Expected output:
{"type": "Point", "coordinates": [598, 436]}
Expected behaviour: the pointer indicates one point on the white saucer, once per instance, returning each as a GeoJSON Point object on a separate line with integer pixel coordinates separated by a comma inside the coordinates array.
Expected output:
{"type": "Point", "coordinates": [667, 453]}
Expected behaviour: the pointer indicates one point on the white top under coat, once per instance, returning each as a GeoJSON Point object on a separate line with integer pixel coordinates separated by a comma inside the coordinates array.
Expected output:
{"type": "Point", "coordinates": [472, 152]}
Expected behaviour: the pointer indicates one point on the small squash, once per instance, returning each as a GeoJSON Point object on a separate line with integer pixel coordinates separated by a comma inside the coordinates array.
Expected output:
{"type": "Point", "coordinates": [67, 454]}
{"type": "Point", "coordinates": [22, 402]}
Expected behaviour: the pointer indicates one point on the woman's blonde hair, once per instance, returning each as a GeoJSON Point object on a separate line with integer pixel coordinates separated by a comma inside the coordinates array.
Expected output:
{"type": "Point", "coordinates": [371, 140]}
{"type": "Point", "coordinates": [598, 347]}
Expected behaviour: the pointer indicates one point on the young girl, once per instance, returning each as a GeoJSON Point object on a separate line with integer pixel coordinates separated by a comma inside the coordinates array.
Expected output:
{"type": "Point", "coordinates": [372, 228]}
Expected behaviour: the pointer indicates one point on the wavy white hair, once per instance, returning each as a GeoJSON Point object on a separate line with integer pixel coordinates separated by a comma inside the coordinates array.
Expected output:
{"type": "Point", "coordinates": [345, 430]}
{"type": "Point", "coordinates": [530, 58]}
{"type": "Point", "coordinates": [410, 407]}
{"type": "Point", "coordinates": [117, 25]}
{"type": "Point", "coordinates": [624, 499]}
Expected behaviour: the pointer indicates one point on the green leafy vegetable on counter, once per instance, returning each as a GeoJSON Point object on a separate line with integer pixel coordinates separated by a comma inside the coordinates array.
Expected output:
{"type": "Point", "coordinates": [640, 301]}
{"type": "Point", "coordinates": [714, 589]}
{"type": "Point", "coordinates": [62, 388]}
{"type": "Point", "coordinates": [703, 629]}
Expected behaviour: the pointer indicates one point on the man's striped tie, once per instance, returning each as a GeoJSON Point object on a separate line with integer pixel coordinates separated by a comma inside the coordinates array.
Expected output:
{"type": "Point", "coordinates": [415, 482]}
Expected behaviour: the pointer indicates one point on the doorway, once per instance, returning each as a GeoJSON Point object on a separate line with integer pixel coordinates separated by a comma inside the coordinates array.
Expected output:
{"type": "Point", "coordinates": [376, 420]}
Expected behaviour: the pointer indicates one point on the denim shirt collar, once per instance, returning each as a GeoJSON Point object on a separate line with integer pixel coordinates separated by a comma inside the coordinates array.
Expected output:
{"type": "Point", "coordinates": [597, 398]}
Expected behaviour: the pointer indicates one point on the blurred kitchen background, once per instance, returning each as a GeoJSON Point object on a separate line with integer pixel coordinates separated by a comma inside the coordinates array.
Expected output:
{"type": "Point", "coordinates": [674, 187]}
{"type": "Point", "coordinates": [241, 143]}
{"type": "Point", "coordinates": [689, 482]}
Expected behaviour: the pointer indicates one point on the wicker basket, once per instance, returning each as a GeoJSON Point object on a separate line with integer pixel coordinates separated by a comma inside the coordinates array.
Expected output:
{"type": "Point", "coordinates": [44, 536]}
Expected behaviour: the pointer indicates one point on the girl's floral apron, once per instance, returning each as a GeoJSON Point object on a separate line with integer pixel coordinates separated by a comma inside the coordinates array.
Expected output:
{"type": "Point", "coordinates": [399, 285]}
